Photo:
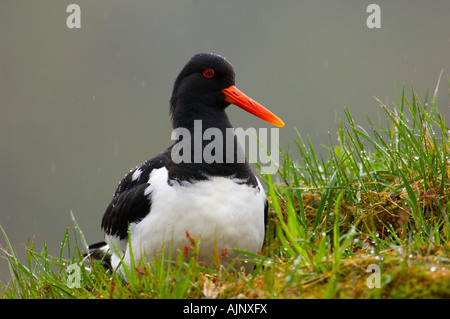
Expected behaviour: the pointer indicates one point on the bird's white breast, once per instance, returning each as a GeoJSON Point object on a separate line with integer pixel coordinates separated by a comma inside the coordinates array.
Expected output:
{"type": "Point", "coordinates": [221, 212]}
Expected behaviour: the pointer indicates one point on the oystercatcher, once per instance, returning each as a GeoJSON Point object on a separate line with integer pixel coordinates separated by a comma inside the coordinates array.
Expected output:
{"type": "Point", "coordinates": [163, 202]}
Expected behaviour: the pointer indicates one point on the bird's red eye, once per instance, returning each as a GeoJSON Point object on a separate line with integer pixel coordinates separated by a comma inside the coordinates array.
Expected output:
{"type": "Point", "coordinates": [208, 73]}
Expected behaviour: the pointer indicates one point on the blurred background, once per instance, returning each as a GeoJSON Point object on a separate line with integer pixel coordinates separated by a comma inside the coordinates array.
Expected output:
{"type": "Point", "coordinates": [80, 107]}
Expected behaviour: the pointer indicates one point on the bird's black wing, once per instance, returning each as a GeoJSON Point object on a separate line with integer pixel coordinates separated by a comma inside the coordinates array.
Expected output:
{"type": "Point", "coordinates": [129, 203]}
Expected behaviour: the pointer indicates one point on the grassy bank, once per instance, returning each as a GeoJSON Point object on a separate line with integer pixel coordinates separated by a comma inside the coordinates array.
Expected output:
{"type": "Point", "coordinates": [370, 220]}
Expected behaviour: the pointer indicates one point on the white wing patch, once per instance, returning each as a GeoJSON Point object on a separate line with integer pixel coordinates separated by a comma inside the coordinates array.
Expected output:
{"type": "Point", "coordinates": [137, 173]}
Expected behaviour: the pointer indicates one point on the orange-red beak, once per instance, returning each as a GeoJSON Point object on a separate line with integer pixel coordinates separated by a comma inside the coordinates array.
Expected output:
{"type": "Point", "coordinates": [234, 96]}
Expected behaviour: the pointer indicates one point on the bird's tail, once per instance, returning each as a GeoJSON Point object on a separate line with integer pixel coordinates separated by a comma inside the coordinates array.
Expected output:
{"type": "Point", "coordinates": [99, 252]}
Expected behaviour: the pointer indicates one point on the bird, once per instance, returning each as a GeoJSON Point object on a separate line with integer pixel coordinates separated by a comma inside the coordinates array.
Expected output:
{"type": "Point", "coordinates": [165, 202]}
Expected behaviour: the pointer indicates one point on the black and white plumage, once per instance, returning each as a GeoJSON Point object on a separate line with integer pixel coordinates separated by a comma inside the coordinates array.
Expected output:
{"type": "Point", "coordinates": [222, 203]}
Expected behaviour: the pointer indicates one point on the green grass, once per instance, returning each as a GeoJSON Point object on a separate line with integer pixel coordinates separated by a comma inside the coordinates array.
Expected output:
{"type": "Point", "coordinates": [379, 199]}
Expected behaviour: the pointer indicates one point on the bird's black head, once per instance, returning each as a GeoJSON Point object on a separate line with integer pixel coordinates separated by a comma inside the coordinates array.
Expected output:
{"type": "Point", "coordinates": [205, 87]}
{"type": "Point", "coordinates": [200, 83]}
